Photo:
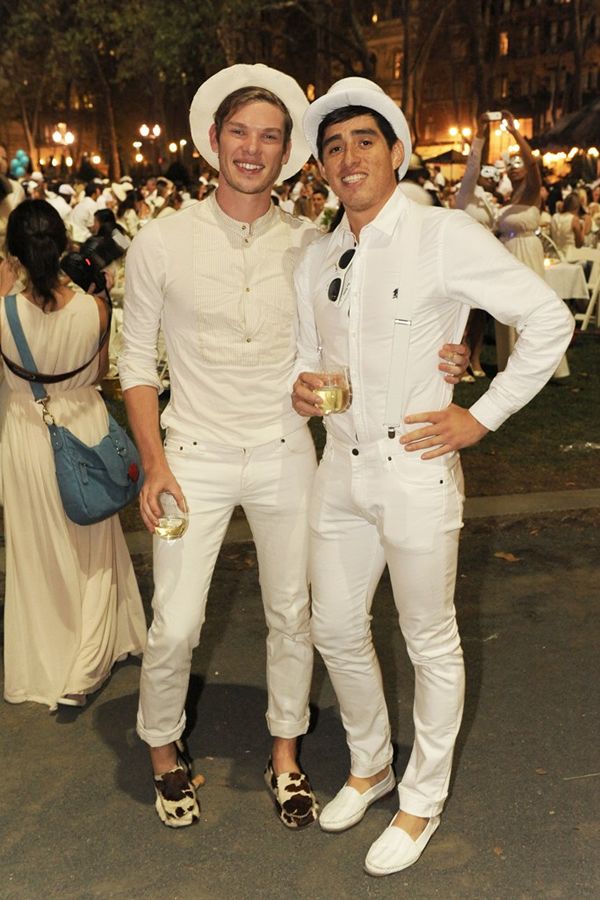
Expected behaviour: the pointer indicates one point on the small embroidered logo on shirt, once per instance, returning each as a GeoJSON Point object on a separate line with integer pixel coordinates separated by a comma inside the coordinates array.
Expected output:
{"type": "Point", "coordinates": [395, 294]}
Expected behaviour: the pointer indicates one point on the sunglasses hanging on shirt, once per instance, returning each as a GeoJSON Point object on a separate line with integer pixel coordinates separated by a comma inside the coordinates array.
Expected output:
{"type": "Point", "coordinates": [336, 288]}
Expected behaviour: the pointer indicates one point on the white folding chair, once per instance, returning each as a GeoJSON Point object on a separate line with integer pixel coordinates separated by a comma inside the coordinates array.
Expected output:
{"type": "Point", "coordinates": [585, 255]}
{"type": "Point", "coordinates": [550, 248]}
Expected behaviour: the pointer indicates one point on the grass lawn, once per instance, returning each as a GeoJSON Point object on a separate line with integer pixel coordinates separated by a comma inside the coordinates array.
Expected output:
{"type": "Point", "coordinates": [545, 447]}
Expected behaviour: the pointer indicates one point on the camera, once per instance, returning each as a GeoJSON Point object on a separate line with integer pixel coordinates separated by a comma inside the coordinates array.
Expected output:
{"type": "Point", "coordinates": [493, 116]}
{"type": "Point", "coordinates": [84, 269]}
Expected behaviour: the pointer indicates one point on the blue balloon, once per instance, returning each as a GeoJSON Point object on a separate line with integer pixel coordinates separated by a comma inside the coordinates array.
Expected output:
{"type": "Point", "coordinates": [20, 154]}
{"type": "Point", "coordinates": [19, 171]}
{"type": "Point", "coordinates": [23, 158]}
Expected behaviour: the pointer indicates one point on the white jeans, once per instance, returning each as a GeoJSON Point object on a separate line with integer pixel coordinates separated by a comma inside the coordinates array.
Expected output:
{"type": "Point", "coordinates": [272, 483]}
{"type": "Point", "coordinates": [371, 506]}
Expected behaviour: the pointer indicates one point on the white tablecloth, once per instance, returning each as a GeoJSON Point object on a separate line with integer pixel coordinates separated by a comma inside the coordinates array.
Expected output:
{"type": "Point", "coordinates": [568, 280]}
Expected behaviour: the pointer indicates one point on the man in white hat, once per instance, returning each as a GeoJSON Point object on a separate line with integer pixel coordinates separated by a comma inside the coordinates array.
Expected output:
{"type": "Point", "coordinates": [61, 201]}
{"type": "Point", "coordinates": [393, 281]}
{"type": "Point", "coordinates": [218, 276]}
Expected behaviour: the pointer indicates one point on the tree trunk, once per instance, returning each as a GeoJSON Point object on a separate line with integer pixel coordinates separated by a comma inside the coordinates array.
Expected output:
{"type": "Point", "coordinates": [31, 150]}
{"type": "Point", "coordinates": [114, 164]}
{"type": "Point", "coordinates": [576, 98]}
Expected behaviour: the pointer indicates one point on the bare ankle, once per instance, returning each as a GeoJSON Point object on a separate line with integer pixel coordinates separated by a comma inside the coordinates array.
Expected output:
{"type": "Point", "coordinates": [163, 758]}
{"type": "Point", "coordinates": [283, 755]}
{"type": "Point", "coordinates": [363, 784]}
{"type": "Point", "coordinates": [412, 825]}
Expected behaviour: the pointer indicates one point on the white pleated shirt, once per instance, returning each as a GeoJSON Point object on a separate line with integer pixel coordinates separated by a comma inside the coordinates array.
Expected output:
{"type": "Point", "coordinates": [222, 292]}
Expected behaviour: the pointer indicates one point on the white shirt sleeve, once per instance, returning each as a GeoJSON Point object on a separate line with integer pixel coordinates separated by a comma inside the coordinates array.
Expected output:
{"type": "Point", "coordinates": [307, 338]}
{"type": "Point", "coordinates": [142, 309]}
{"type": "Point", "coordinates": [491, 278]}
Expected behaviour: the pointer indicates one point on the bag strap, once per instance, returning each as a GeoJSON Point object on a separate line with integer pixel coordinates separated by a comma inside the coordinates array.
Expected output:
{"type": "Point", "coordinates": [12, 314]}
{"type": "Point", "coordinates": [29, 372]}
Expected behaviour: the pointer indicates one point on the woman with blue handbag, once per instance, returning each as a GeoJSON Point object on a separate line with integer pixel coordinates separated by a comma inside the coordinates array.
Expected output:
{"type": "Point", "coordinates": [72, 605]}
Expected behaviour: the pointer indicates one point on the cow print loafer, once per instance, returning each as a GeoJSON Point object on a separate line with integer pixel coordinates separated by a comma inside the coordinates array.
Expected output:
{"type": "Point", "coordinates": [292, 794]}
{"type": "Point", "coordinates": [176, 802]}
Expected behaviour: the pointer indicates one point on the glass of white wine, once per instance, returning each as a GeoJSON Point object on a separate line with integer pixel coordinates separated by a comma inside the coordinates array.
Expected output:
{"type": "Point", "coordinates": [335, 391]}
{"type": "Point", "coordinates": [173, 523]}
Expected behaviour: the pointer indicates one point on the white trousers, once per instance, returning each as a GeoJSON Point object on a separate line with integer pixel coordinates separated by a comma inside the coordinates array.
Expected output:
{"type": "Point", "coordinates": [272, 483]}
{"type": "Point", "coordinates": [373, 506]}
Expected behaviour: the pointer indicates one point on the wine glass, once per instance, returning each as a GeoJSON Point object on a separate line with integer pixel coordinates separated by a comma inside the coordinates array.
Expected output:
{"type": "Point", "coordinates": [173, 522]}
{"type": "Point", "coordinates": [335, 391]}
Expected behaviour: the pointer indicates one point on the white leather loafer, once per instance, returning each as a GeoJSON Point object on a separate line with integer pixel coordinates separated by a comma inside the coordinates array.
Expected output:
{"type": "Point", "coordinates": [394, 850]}
{"type": "Point", "coordinates": [349, 805]}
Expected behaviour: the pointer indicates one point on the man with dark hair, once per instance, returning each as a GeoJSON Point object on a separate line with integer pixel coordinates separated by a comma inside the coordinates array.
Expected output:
{"type": "Point", "coordinates": [82, 216]}
{"type": "Point", "coordinates": [323, 214]}
{"type": "Point", "coordinates": [394, 280]}
{"type": "Point", "coordinates": [218, 277]}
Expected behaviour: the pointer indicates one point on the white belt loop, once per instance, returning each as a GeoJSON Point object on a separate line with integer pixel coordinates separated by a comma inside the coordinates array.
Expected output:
{"type": "Point", "coordinates": [396, 400]}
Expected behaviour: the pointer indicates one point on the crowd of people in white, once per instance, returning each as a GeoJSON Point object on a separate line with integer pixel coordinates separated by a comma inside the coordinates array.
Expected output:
{"type": "Point", "coordinates": [533, 215]}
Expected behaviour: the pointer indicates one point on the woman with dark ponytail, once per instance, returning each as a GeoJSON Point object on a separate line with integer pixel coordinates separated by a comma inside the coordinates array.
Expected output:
{"type": "Point", "coordinates": [72, 606]}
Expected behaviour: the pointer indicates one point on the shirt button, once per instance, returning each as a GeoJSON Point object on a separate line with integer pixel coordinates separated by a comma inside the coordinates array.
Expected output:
{"type": "Point", "coordinates": [248, 340]}
{"type": "Point", "coordinates": [355, 452]}
{"type": "Point", "coordinates": [247, 290]}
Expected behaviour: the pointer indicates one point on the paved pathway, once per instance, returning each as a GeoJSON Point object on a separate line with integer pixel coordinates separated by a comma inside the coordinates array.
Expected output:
{"type": "Point", "coordinates": [522, 821]}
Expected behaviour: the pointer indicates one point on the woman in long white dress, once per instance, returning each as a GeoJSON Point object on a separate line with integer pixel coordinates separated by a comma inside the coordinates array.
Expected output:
{"type": "Point", "coordinates": [72, 605]}
{"type": "Point", "coordinates": [518, 226]}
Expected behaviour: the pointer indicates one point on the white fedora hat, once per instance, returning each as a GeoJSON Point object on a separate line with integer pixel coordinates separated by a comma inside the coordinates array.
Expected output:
{"type": "Point", "coordinates": [210, 95]}
{"type": "Point", "coordinates": [358, 92]}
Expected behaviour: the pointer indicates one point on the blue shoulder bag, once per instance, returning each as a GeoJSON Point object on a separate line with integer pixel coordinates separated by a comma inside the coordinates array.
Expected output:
{"type": "Point", "coordinates": [94, 482]}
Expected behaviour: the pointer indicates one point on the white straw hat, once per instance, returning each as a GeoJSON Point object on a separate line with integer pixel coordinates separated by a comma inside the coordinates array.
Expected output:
{"type": "Point", "coordinates": [210, 95]}
{"type": "Point", "coordinates": [358, 92]}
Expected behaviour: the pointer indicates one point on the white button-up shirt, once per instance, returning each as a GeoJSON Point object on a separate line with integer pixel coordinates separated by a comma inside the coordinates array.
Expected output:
{"type": "Point", "coordinates": [223, 292]}
{"type": "Point", "coordinates": [459, 266]}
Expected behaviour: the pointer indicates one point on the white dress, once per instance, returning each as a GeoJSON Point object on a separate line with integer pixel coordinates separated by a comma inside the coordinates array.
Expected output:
{"type": "Point", "coordinates": [561, 231]}
{"type": "Point", "coordinates": [516, 227]}
{"type": "Point", "coordinates": [72, 605]}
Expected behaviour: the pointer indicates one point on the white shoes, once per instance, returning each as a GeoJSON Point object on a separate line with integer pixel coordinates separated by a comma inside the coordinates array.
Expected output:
{"type": "Point", "coordinates": [394, 850]}
{"type": "Point", "coordinates": [349, 806]}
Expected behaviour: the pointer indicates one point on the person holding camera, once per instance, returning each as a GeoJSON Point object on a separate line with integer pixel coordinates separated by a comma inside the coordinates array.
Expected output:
{"type": "Point", "coordinates": [72, 605]}
{"type": "Point", "coordinates": [518, 228]}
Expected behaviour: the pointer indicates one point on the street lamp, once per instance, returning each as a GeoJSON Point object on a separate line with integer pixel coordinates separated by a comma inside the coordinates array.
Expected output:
{"type": "Point", "coordinates": [63, 138]}
{"type": "Point", "coordinates": [461, 136]}
{"type": "Point", "coordinates": [61, 135]}
{"type": "Point", "coordinates": [152, 134]}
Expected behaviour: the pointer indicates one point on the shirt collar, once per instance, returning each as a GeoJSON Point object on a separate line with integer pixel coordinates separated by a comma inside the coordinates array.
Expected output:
{"type": "Point", "coordinates": [256, 228]}
{"type": "Point", "coordinates": [386, 220]}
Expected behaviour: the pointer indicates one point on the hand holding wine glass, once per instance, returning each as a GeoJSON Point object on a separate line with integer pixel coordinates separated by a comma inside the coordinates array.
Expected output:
{"type": "Point", "coordinates": [324, 392]}
{"type": "Point", "coordinates": [173, 522]}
